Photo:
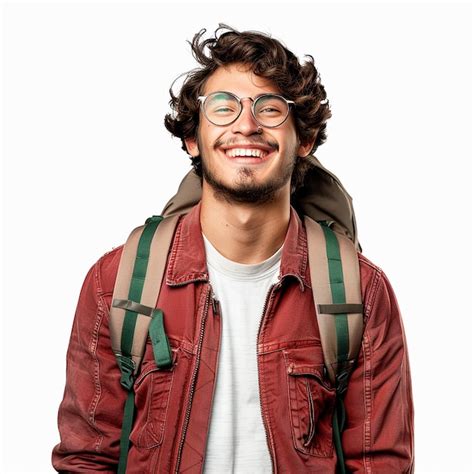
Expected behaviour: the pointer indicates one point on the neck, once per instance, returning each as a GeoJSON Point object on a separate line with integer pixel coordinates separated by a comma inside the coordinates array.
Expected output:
{"type": "Point", "coordinates": [245, 232]}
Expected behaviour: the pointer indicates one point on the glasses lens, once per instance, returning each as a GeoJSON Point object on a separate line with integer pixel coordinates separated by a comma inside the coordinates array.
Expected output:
{"type": "Point", "coordinates": [271, 110]}
{"type": "Point", "coordinates": [221, 108]}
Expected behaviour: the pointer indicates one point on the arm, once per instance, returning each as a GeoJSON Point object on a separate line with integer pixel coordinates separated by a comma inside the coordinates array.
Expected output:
{"type": "Point", "coordinates": [90, 414]}
{"type": "Point", "coordinates": [379, 407]}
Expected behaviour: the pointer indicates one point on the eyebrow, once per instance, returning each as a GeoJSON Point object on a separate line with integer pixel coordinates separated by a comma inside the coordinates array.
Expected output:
{"type": "Point", "coordinates": [222, 94]}
{"type": "Point", "coordinates": [253, 98]}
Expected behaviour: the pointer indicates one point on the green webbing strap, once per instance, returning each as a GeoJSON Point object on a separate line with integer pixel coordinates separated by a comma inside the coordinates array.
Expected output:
{"type": "Point", "coordinates": [338, 293]}
{"type": "Point", "coordinates": [159, 340]}
{"type": "Point", "coordinates": [136, 284]}
{"type": "Point", "coordinates": [127, 423]}
{"type": "Point", "coordinates": [342, 336]}
{"type": "Point", "coordinates": [126, 363]}
{"type": "Point", "coordinates": [337, 426]}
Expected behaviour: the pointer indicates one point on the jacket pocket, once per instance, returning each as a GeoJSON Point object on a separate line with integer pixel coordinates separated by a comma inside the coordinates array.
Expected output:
{"type": "Point", "coordinates": [152, 393]}
{"type": "Point", "coordinates": [311, 406]}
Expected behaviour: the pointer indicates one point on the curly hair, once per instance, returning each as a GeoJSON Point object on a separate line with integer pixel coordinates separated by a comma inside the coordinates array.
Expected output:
{"type": "Point", "coordinates": [266, 57]}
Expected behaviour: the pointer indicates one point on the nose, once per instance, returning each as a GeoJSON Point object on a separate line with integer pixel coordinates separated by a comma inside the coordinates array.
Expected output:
{"type": "Point", "coordinates": [246, 123]}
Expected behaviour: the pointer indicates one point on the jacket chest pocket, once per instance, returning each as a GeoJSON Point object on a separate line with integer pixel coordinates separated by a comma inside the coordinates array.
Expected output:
{"type": "Point", "coordinates": [152, 393]}
{"type": "Point", "coordinates": [311, 404]}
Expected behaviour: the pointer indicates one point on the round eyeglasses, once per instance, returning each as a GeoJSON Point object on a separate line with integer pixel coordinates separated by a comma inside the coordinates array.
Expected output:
{"type": "Point", "coordinates": [222, 108]}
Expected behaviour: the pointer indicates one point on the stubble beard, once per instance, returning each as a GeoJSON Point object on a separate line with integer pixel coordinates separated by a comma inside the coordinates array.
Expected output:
{"type": "Point", "coordinates": [245, 189]}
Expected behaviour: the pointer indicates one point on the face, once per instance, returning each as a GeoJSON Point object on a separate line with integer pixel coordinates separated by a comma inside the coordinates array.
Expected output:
{"type": "Point", "coordinates": [254, 179]}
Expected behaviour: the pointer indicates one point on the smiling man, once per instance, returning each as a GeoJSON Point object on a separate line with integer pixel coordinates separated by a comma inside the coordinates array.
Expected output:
{"type": "Point", "coordinates": [247, 387]}
{"type": "Point", "coordinates": [247, 173]}
{"type": "Point", "coordinates": [238, 163]}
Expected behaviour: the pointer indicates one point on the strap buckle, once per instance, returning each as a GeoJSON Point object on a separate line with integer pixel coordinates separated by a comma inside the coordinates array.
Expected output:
{"type": "Point", "coordinates": [127, 369]}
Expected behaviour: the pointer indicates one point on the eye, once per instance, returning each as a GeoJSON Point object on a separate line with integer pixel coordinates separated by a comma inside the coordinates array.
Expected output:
{"type": "Point", "coordinates": [223, 109]}
{"type": "Point", "coordinates": [269, 109]}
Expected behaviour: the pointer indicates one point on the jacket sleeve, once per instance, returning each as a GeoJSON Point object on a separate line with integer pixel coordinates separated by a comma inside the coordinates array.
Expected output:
{"type": "Point", "coordinates": [379, 410]}
{"type": "Point", "coordinates": [90, 413]}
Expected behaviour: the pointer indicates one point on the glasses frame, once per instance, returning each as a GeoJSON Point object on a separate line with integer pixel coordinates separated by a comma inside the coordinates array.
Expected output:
{"type": "Point", "coordinates": [202, 99]}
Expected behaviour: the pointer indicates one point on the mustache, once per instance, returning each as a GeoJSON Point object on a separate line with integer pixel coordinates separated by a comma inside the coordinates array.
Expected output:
{"type": "Point", "coordinates": [248, 141]}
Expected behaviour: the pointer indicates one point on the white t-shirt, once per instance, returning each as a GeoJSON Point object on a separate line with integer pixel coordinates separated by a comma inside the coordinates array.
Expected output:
{"type": "Point", "coordinates": [237, 442]}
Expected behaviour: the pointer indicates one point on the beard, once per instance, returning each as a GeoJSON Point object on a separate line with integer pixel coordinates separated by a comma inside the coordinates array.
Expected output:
{"type": "Point", "coordinates": [245, 188]}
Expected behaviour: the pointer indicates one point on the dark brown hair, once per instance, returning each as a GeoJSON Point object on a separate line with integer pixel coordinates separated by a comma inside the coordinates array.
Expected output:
{"type": "Point", "coordinates": [266, 57]}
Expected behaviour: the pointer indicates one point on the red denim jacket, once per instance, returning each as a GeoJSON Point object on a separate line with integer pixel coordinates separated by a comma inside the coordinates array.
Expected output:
{"type": "Point", "coordinates": [173, 406]}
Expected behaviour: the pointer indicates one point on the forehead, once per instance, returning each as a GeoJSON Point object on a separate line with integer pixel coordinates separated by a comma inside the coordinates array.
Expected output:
{"type": "Point", "coordinates": [238, 79]}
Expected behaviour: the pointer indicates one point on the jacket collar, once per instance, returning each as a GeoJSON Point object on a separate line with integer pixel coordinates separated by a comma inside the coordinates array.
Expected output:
{"type": "Point", "coordinates": [187, 261]}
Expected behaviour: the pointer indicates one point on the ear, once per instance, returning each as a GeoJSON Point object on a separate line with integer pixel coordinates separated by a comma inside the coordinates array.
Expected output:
{"type": "Point", "coordinates": [192, 146]}
{"type": "Point", "coordinates": [305, 148]}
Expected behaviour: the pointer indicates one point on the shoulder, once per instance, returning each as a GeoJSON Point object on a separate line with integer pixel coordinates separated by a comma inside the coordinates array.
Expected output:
{"type": "Point", "coordinates": [370, 273]}
{"type": "Point", "coordinates": [105, 270]}
{"type": "Point", "coordinates": [378, 295]}
{"type": "Point", "coordinates": [372, 279]}
{"type": "Point", "coordinates": [106, 267]}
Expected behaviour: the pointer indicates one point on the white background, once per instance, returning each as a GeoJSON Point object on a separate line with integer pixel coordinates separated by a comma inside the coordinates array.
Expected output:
{"type": "Point", "coordinates": [87, 159]}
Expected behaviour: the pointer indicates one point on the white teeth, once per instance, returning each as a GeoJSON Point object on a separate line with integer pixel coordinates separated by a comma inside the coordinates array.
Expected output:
{"type": "Point", "coordinates": [233, 152]}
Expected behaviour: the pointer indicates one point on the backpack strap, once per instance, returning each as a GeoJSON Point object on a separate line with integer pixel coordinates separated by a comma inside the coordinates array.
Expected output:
{"type": "Point", "coordinates": [335, 281]}
{"type": "Point", "coordinates": [133, 314]}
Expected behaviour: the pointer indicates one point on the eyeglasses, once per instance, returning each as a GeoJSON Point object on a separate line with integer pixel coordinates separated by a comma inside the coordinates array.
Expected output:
{"type": "Point", "coordinates": [222, 108]}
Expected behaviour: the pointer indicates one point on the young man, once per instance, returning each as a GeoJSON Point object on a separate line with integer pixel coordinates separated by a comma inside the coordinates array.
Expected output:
{"type": "Point", "coordinates": [247, 391]}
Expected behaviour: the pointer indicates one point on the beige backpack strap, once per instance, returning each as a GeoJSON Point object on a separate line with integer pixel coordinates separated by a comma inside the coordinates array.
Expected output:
{"type": "Point", "coordinates": [133, 314]}
{"type": "Point", "coordinates": [148, 262]}
{"type": "Point", "coordinates": [335, 281]}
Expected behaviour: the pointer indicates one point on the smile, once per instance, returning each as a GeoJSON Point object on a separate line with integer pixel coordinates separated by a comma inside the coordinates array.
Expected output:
{"type": "Point", "coordinates": [247, 155]}
{"type": "Point", "coordinates": [233, 152]}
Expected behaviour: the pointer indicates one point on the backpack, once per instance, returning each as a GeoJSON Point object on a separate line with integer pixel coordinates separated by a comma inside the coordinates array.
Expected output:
{"type": "Point", "coordinates": [326, 208]}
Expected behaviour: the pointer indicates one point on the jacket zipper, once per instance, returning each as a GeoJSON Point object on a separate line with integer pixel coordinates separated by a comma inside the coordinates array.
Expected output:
{"type": "Point", "coordinates": [216, 307]}
{"type": "Point", "coordinates": [269, 441]}
{"type": "Point", "coordinates": [193, 380]}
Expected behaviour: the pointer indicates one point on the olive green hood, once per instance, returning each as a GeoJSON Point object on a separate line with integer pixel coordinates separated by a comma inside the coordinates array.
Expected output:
{"type": "Point", "coordinates": [321, 197]}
